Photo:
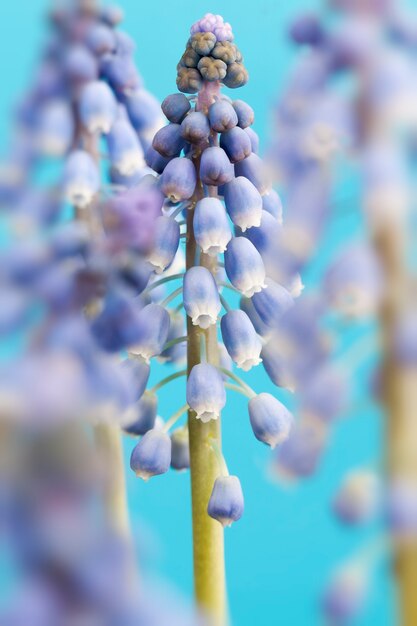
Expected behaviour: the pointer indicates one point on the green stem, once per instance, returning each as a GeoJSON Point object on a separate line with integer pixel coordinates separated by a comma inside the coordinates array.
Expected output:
{"type": "Point", "coordinates": [208, 538]}
{"type": "Point", "coordinates": [167, 380]}
{"type": "Point", "coordinates": [174, 342]}
{"type": "Point", "coordinates": [162, 281]}
{"type": "Point", "coordinates": [238, 389]}
{"type": "Point", "coordinates": [174, 418]}
{"type": "Point", "coordinates": [171, 296]}
{"type": "Point", "coordinates": [248, 390]}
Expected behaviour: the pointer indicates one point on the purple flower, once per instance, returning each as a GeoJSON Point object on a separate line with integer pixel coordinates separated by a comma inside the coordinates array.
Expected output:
{"type": "Point", "coordinates": [222, 116]}
{"type": "Point", "coordinates": [195, 127]}
{"type": "Point", "coordinates": [215, 167]}
{"type": "Point", "coordinates": [245, 114]}
{"type": "Point", "coordinates": [144, 111]}
{"type": "Point", "coordinates": [175, 107]}
{"type": "Point", "coordinates": [254, 169]}
{"type": "Point", "coordinates": [244, 266]}
{"type": "Point", "coordinates": [243, 203]}
{"type": "Point", "coordinates": [272, 302]}
{"type": "Point", "coordinates": [201, 297]}
{"type": "Point", "coordinates": [180, 450]}
{"type": "Point", "coordinates": [271, 422]}
{"type": "Point", "coordinates": [179, 179]}
{"type": "Point", "coordinates": [357, 499]}
{"type": "Point", "coordinates": [145, 414]}
{"type": "Point", "coordinates": [226, 501]}
{"type": "Point", "coordinates": [55, 129]}
{"type": "Point", "coordinates": [271, 202]}
{"type": "Point", "coordinates": [125, 150]}
{"type": "Point", "coordinates": [236, 143]}
{"type": "Point", "coordinates": [152, 455]}
{"type": "Point", "coordinates": [153, 323]}
{"type": "Point", "coordinates": [165, 244]}
{"type": "Point", "coordinates": [345, 595]}
{"type": "Point", "coordinates": [81, 179]}
{"type": "Point", "coordinates": [206, 395]}
{"type": "Point", "coordinates": [97, 107]}
{"type": "Point", "coordinates": [168, 141]}
{"type": "Point", "coordinates": [211, 226]}
{"type": "Point", "coordinates": [240, 339]}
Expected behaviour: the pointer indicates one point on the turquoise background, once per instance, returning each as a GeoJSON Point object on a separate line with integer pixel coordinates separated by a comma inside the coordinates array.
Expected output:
{"type": "Point", "coordinates": [284, 548]}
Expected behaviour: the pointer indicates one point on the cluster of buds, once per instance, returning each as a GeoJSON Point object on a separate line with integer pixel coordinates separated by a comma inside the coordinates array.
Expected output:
{"type": "Point", "coordinates": [211, 56]}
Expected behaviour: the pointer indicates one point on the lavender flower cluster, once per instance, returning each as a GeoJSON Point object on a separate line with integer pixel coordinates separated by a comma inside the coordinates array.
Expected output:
{"type": "Point", "coordinates": [351, 92]}
{"type": "Point", "coordinates": [69, 281]}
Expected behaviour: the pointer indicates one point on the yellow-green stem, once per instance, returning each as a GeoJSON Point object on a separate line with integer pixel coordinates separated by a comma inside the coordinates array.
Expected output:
{"type": "Point", "coordinates": [208, 540]}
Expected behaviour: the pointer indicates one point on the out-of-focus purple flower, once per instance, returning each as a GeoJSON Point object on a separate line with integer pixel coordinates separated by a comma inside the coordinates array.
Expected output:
{"type": "Point", "coordinates": [125, 150]}
{"type": "Point", "coordinates": [180, 450]}
{"type": "Point", "coordinates": [324, 396]}
{"type": "Point", "coordinates": [55, 129]}
{"type": "Point", "coordinates": [100, 39]}
{"type": "Point", "coordinates": [120, 71]}
{"type": "Point", "coordinates": [206, 395]}
{"type": "Point", "coordinates": [165, 243]}
{"type": "Point", "coordinates": [272, 302]}
{"type": "Point", "coordinates": [353, 284]}
{"type": "Point", "coordinates": [144, 415]}
{"type": "Point", "coordinates": [80, 65]}
{"type": "Point", "coordinates": [271, 422]}
{"type": "Point", "coordinates": [81, 179]}
{"type": "Point", "coordinates": [240, 339]}
{"type": "Point", "coordinates": [152, 455]}
{"type": "Point", "coordinates": [358, 497]}
{"type": "Point", "coordinates": [300, 454]}
{"type": "Point", "coordinates": [401, 508]}
{"type": "Point", "coordinates": [129, 217]}
{"type": "Point", "coordinates": [307, 29]}
{"type": "Point", "coordinates": [97, 107]}
{"type": "Point", "coordinates": [201, 297]}
{"type": "Point", "coordinates": [271, 202]}
{"type": "Point", "coordinates": [345, 595]}
{"type": "Point", "coordinates": [226, 501]}
{"type": "Point", "coordinates": [152, 332]}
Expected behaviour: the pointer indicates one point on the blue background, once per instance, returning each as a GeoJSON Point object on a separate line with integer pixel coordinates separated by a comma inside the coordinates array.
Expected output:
{"type": "Point", "coordinates": [283, 550]}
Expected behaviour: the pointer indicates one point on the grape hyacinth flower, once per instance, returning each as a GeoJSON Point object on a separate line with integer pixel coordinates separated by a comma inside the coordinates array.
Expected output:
{"type": "Point", "coordinates": [152, 455]}
{"type": "Point", "coordinates": [214, 184]}
{"type": "Point", "coordinates": [206, 395]}
{"type": "Point", "coordinates": [226, 500]}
